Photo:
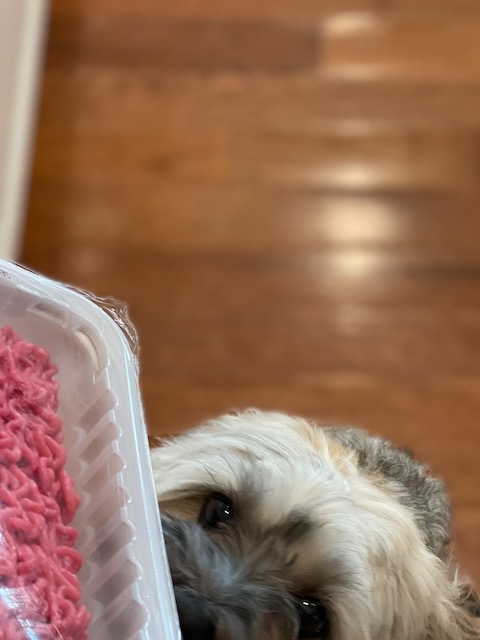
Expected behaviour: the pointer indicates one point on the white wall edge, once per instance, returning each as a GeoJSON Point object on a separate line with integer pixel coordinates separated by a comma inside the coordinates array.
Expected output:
{"type": "Point", "coordinates": [21, 120]}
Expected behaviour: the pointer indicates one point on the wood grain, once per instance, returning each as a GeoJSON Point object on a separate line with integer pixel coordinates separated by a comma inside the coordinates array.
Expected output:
{"type": "Point", "coordinates": [188, 10]}
{"type": "Point", "coordinates": [212, 46]}
{"type": "Point", "coordinates": [286, 195]}
{"type": "Point", "coordinates": [434, 6]}
{"type": "Point", "coordinates": [443, 48]}
{"type": "Point", "coordinates": [299, 103]}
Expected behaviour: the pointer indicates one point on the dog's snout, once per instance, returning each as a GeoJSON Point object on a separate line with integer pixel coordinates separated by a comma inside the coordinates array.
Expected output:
{"type": "Point", "coordinates": [196, 617]}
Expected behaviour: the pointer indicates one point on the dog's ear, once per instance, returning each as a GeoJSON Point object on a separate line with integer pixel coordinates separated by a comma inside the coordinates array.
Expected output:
{"type": "Point", "coordinates": [419, 490]}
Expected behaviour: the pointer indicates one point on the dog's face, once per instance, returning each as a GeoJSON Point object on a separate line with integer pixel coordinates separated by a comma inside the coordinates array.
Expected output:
{"type": "Point", "coordinates": [276, 528]}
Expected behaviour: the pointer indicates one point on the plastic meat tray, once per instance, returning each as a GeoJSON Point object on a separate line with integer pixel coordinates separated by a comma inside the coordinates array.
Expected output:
{"type": "Point", "coordinates": [125, 580]}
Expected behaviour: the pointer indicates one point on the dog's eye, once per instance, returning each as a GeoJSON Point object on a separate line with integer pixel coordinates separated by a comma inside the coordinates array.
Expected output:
{"type": "Point", "coordinates": [313, 618]}
{"type": "Point", "coordinates": [217, 509]}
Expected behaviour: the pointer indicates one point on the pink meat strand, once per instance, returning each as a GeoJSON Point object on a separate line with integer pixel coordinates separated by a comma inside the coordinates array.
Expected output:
{"type": "Point", "coordinates": [39, 588]}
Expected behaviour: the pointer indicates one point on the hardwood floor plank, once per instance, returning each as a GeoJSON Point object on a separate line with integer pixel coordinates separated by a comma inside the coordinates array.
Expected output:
{"type": "Point", "coordinates": [204, 47]}
{"type": "Point", "coordinates": [343, 277]}
{"type": "Point", "coordinates": [385, 160]}
{"type": "Point", "coordinates": [146, 101]}
{"type": "Point", "coordinates": [193, 9]}
{"type": "Point", "coordinates": [417, 47]}
{"type": "Point", "coordinates": [171, 220]}
{"type": "Point", "coordinates": [434, 6]}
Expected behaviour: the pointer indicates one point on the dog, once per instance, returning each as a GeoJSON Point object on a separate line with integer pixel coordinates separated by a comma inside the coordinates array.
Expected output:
{"type": "Point", "coordinates": [276, 528]}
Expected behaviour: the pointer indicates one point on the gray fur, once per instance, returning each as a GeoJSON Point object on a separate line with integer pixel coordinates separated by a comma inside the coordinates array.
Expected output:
{"type": "Point", "coordinates": [421, 492]}
{"type": "Point", "coordinates": [243, 589]}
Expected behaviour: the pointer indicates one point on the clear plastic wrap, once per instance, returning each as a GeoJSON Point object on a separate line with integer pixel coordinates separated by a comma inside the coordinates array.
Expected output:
{"type": "Point", "coordinates": [125, 582]}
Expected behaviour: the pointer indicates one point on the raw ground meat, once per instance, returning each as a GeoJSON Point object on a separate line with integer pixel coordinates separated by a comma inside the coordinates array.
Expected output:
{"type": "Point", "coordinates": [39, 588]}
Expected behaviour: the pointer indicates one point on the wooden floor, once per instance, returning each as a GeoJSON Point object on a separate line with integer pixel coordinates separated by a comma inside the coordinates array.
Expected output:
{"type": "Point", "coordinates": [287, 195]}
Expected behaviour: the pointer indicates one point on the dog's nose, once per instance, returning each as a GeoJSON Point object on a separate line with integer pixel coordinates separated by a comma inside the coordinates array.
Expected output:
{"type": "Point", "coordinates": [196, 618]}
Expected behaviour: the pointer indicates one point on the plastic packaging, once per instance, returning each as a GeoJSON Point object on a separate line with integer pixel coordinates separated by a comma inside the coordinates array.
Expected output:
{"type": "Point", "coordinates": [125, 582]}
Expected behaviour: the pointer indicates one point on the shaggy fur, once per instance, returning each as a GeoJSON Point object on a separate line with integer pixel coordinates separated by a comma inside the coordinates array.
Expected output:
{"type": "Point", "coordinates": [326, 513]}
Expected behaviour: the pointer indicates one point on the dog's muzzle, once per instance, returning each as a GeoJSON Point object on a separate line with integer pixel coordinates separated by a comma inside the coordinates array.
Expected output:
{"type": "Point", "coordinates": [221, 596]}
